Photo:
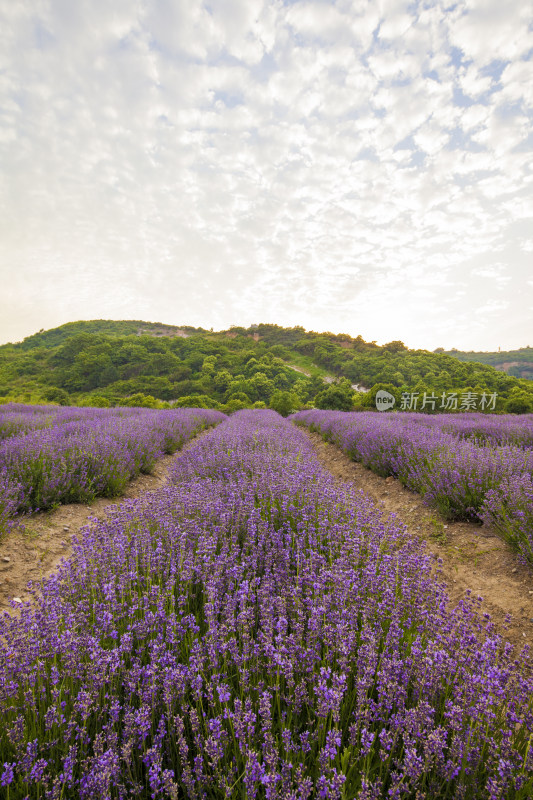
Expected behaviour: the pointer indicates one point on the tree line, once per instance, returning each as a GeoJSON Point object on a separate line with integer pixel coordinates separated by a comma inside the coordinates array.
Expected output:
{"type": "Point", "coordinates": [103, 362]}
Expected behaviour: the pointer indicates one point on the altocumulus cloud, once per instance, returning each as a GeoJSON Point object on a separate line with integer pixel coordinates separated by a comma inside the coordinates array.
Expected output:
{"type": "Point", "coordinates": [353, 165]}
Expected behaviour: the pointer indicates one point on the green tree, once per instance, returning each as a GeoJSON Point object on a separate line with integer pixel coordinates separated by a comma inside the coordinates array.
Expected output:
{"type": "Point", "coordinates": [284, 403]}
{"type": "Point", "coordinates": [519, 403]}
{"type": "Point", "coordinates": [209, 365]}
{"type": "Point", "coordinates": [196, 401]}
{"type": "Point", "coordinates": [87, 370]}
{"type": "Point", "coordinates": [395, 347]}
{"type": "Point", "coordinates": [143, 400]}
{"type": "Point", "coordinates": [301, 389]}
{"type": "Point", "coordinates": [242, 397]}
{"type": "Point", "coordinates": [398, 379]}
{"type": "Point", "coordinates": [335, 398]}
{"type": "Point", "coordinates": [222, 381]}
{"type": "Point", "coordinates": [55, 395]}
{"type": "Point", "coordinates": [234, 405]}
{"type": "Point", "coordinates": [95, 401]}
{"type": "Point", "coordinates": [281, 381]}
{"type": "Point", "coordinates": [279, 351]}
{"type": "Point", "coordinates": [444, 380]}
{"type": "Point", "coordinates": [259, 387]}
{"type": "Point", "coordinates": [252, 366]}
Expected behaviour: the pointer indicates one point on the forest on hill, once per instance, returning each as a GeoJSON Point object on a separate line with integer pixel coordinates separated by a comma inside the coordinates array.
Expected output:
{"type": "Point", "coordinates": [518, 363]}
{"type": "Point", "coordinates": [109, 363]}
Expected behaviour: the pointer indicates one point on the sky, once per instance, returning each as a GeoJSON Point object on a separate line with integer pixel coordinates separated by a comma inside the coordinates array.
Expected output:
{"type": "Point", "coordinates": [354, 166]}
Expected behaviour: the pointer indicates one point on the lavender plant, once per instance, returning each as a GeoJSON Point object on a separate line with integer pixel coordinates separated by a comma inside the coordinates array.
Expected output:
{"type": "Point", "coordinates": [253, 630]}
{"type": "Point", "coordinates": [11, 497]}
{"type": "Point", "coordinates": [452, 471]}
{"type": "Point", "coordinates": [509, 508]}
{"type": "Point", "coordinates": [502, 429]}
{"type": "Point", "coordinates": [80, 454]}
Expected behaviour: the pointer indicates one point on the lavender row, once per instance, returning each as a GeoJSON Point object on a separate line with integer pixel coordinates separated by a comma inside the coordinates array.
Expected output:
{"type": "Point", "coordinates": [14, 423]}
{"type": "Point", "coordinates": [461, 478]}
{"type": "Point", "coordinates": [503, 429]}
{"type": "Point", "coordinates": [509, 509]}
{"type": "Point", "coordinates": [255, 631]}
{"type": "Point", "coordinates": [85, 455]}
{"type": "Point", "coordinates": [19, 418]}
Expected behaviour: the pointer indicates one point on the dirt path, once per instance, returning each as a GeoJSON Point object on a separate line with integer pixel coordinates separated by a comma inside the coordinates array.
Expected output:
{"type": "Point", "coordinates": [327, 378]}
{"type": "Point", "coordinates": [35, 548]}
{"type": "Point", "coordinates": [473, 557]}
{"type": "Point", "coordinates": [300, 369]}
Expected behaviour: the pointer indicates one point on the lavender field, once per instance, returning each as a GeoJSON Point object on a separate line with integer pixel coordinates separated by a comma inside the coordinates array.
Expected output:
{"type": "Point", "coordinates": [51, 455]}
{"type": "Point", "coordinates": [468, 466]}
{"type": "Point", "coordinates": [253, 630]}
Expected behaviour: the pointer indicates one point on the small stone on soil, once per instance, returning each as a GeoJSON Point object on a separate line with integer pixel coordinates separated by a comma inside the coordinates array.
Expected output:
{"type": "Point", "coordinates": [6, 559]}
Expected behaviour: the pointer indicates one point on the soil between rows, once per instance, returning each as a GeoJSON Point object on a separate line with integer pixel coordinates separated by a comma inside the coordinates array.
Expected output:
{"type": "Point", "coordinates": [473, 556]}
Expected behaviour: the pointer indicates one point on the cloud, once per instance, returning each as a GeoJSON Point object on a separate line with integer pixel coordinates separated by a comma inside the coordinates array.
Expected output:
{"type": "Point", "coordinates": [317, 21]}
{"type": "Point", "coordinates": [507, 27]}
{"type": "Point", "coordinates": [208, 163]}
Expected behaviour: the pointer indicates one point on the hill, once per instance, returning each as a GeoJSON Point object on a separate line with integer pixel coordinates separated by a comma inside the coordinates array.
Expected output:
{"type": "Point", "coordinates": [56, 336]}
{"type": "Point", "coordinates": [107, 362]}
{"type": "Point", "coordinates": [518, 363]}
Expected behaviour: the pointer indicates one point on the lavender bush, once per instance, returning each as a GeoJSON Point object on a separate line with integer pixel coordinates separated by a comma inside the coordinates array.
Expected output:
{"type": "Point", "coordinates": [84, 453]}
{"type": "Point", "coordinates": [452, 472]}
{"type": "Point", "coordinates": [509, 508]}
{"type": "Point", "coordinates": [458, 481]}
{"type": "Point", "coordinates": [503, 429]}
{"type": "Point", "coordinates": [13, 423]}
{"type": "Point", "coordinates": [11, 497]}
{"type": "Point", "coordinates": [18, 418]}
{"type": "Point", "coordinates": [254, 631]}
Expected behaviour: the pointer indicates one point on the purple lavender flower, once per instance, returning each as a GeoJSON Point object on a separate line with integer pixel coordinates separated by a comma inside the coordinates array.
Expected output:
{"type": "Point", "coordinates": [254, 629]}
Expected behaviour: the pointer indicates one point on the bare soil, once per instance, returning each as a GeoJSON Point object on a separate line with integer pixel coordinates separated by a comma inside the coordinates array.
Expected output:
{"type": "Point", "coordinates": [473, 556]}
